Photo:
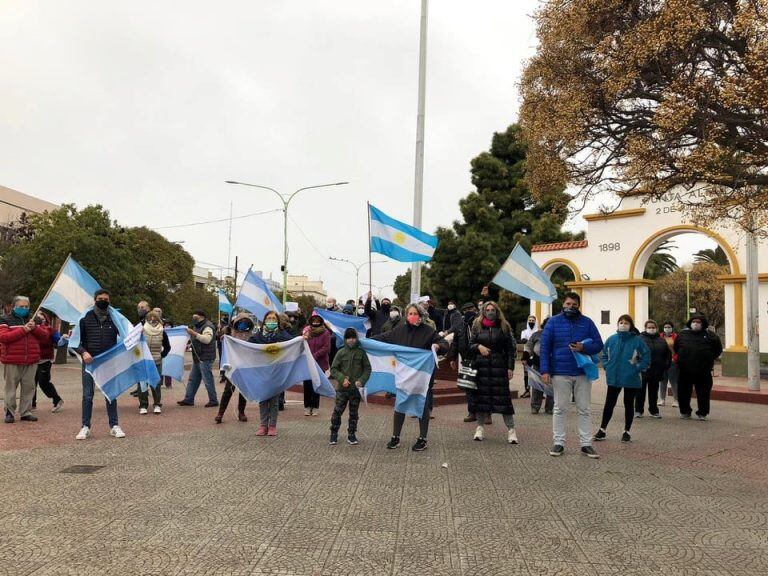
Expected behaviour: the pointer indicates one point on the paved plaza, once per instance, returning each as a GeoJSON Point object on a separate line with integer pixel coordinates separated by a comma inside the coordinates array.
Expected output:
{"type": "Point", "coordinates": [181, 495]}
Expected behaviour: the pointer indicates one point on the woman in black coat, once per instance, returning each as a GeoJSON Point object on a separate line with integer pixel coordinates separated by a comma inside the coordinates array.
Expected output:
{"type": "Point", "coordinates": [661, 358]}
{"type": "Point", "coordinates": [495, 348]}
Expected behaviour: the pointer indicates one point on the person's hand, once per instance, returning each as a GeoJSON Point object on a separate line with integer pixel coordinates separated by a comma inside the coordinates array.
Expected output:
{"type": "Point", "coordinates": [576, 346]}
{"type": "Point", "coordinates": [191, 332]}
{"type": "Point", "coordinates": [345, 383]}
{"type": "Point", "coordinates": [454, 365]}
{"type": "Point", "coordinates": [546, 378]}
{"type": "Point", "coordinates": [483, 350]}
{"type": "Point", "coordinates": [370, 295]}
{"type": "Point", "coordinates": [87, 358]}
{"type": "Point", "coordinates": [359, 384]}
{"type": "Point", "coordinates": [510, 373]}
{"type": "Point", "coordinates": [29, 326]}
{"type": "Point", "coordinates": [305, 336]}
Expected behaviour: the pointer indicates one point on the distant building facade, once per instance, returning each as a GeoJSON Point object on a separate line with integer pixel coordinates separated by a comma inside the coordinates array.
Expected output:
{"type": "Point", "coordinates": [303, 286]}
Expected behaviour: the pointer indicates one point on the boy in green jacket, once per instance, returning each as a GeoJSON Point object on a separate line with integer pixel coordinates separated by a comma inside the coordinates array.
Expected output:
{"type": "Point", "coordinates": [351, 370]}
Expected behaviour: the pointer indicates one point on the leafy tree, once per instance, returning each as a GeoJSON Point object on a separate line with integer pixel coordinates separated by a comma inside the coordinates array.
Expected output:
{"type": "Point", "coordinates": [640, 96]}
{"type": "Point", "coordinates": [495, 217]}
{"type": "Point", "coordinates": [668, 295]}
{"type": "Point", "coordinates": [716, 256]}
{"type": "Point", "coordinates": [661, 262]}
{"type": "Point", "coordinates": [183, 302]}
{"type": "Point", "coordinates": [402, 287]}
{"type": "Point", "coordinates": [132, 263]}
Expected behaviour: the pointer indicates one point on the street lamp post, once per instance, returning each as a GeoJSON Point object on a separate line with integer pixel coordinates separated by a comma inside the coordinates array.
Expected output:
{"type": "Point", "coordinates": [286, 200]}
{"type": "Point", "coordinates": [688, 267]}
{"type": "Point", "coordinates": [357, 273]}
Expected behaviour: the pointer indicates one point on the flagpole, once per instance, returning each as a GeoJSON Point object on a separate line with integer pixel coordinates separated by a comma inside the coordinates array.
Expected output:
{"type": "Point", "coordinates": [418, 188]}
{"type": "Point", "coordinates": [370, 264]}
{"type": "Point", "coordinates": [52, 284]}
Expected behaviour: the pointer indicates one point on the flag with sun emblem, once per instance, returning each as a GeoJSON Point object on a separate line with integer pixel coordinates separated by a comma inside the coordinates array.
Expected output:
{"type": "Point", "coordinates": [398, 240]}
{"type": "Point", "coordinates": [122, 366]}
{"type": "Point", "coordinates": [256, 297]}
{"type": "Point", "coordinates": [402, 371]}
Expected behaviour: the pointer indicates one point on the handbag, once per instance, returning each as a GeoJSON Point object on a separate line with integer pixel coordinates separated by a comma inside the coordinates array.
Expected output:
{"type": "Point", "coordinates": [467, 379]}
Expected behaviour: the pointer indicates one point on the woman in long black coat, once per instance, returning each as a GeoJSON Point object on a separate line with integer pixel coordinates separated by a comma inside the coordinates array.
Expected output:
{"type": "Point", "coordinates": [495, 348]}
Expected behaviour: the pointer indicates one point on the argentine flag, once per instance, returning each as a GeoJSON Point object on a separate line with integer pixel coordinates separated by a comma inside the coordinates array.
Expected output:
{"type": "Point", "coordinates": [339, 322]}
{"type": "Point", "coordinates": [256, 297]}
{"type": "Point", "coordinates": [120, 368]}
{"type": "Point", "coordinates": [398, 240]}
{"type": "Point", "coordinates": [225, 306]}
{"type": "Point", "coordinates": [521, 275]}
{"type": "Point", "coordinates": [173, 363]}
{"type": "Point", "coordinates": [402, 371]}
{"type": "Point", "coordinates": [262, 371]}
{"type": "Point", "coordinates": [71, 294]}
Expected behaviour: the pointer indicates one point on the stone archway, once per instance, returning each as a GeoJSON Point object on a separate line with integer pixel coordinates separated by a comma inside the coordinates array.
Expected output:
{"type": "Point", "coordinates": [549, 268]}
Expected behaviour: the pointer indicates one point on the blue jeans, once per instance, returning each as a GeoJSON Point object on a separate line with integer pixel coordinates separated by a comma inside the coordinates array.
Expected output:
{"type": "Point", "coordinates": [202, 370]}
{"type": "Point", "coordinates": [88, 390]}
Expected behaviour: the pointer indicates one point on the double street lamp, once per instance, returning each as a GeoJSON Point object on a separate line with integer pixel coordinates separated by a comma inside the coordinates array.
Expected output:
{"type": "Point", "coordinates": [357, 272]}
{"type": "Point", "coordinates": [286, 200]}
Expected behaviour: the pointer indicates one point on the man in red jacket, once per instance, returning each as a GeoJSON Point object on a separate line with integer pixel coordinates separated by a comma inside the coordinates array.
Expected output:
{"type": "Point", "coordinates": [20, 339]}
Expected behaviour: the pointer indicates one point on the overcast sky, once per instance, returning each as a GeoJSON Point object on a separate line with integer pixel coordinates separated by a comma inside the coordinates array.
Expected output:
{"type": "Point", "coordinates": [148, 107]}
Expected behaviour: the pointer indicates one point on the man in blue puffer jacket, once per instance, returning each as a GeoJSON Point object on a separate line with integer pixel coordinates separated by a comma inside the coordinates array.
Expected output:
{"type": "Point", "coordinates": [563, 335]}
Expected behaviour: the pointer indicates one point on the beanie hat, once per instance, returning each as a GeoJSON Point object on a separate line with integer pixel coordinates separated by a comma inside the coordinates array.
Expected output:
{"type": "Point", "coordinates": [350, 333]}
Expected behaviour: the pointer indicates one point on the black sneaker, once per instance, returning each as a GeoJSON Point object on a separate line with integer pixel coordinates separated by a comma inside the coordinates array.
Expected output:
{"type": "Point", "coordinates": [334, 439]}
{"type": "Point", "coordinates": [394, 442]}
{"type": "Point", "coordinates": [352, 439]}
{"type": "Point", "coordinates": [470, 418]}
{"type": "Point", "coordinates": [135, 393]}
{"type": "Point", "coordinates": [29, 418]}
{"type": "Point", "coordinates": [557, 450]}
{"type": "Point", "coordinates": [211, 404]}
{"type": "Point", "coordinates": [184, 403]}
{"type": "Point", "coordinates": [599, 435]}
{"type": "Point", "coordinates": [526, 394]}
{"type": "Point", "coordinates": [626, 437]}
{"type": "Point", "coordinates": [9, 419]}
{"type": "Point", "coordinates": [420, 446]}
{"type": "Point", "coordinates": [589, 452]}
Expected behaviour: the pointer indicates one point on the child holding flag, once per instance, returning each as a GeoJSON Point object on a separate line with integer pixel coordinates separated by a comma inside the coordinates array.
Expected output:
{"type": "Point", "coordinates": [351, 370]}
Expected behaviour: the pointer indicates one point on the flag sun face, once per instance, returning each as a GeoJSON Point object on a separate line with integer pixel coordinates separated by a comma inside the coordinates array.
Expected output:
{"type": "Point", "coordinates": [393, 362]}
{"type": "Point", "coordinates": [266, 302]}
{"type": "Point", "coordinates": [137, 352]}
{"type": "Point", "coordinates": [272, 349]}
{"type": "Point", "coordinates": [399, 237]}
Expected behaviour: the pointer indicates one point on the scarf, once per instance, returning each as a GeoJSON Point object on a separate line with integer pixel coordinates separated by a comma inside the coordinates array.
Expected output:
{"type": "Point", "coordinates": [153, 331]}
{"type": "Point", "coordinates": [488, 323]}
{"type": "Point", "coordinates": [317, 331]}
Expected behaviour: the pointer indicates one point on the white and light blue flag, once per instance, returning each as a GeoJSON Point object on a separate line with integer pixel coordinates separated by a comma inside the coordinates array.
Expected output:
{"type": "Point", "coordinates": [124, 327]}
{"type": "Point", "coordinates": [398, 240]}
{"type": "Point", "coordinates": [71, 295]}
{"type": "Point", "coordinates": [521, 275]}
{"type": "Point", "coordinates": [262, 371]}
{"type": "Point", "coordinates": [225, 306]}
{"type": "Point", "coordinates": [120, 368]}
{"type": "Point", "coordinates": [338, 322]}
{"type": "Point", "coordinates": [173, 363]}
{"type": "Point", "coordinates": [402, 371]}
{"type": "Point", "coordinates": [256, 297]}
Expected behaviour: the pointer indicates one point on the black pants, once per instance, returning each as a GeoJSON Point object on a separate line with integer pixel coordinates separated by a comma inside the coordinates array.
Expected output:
{"type": "Point", "coordinates": [525, 380]}
{"type": "Point", "coordinates": [399, 419]}
{"type": "Point", "coordinates": [650, 389]}
{"type": "Point", "coordinates": [700, 380]}
{"type": "Point", "coordinates": [536, 398]}
{"type": "Point", "coordinates": [346, 396]}
{"type": "Point", "coordinates": [43, 379]}
{"type": "Point", "coordinates": [226, 396]}
{"type": "Point", "coordinates": [311, 398]}
{"type": "Point", "coordinates": [610, 403]}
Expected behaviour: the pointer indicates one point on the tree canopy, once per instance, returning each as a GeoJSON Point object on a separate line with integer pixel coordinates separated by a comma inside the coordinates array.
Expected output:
{"type": "Point", "coordinates": [640, 96]}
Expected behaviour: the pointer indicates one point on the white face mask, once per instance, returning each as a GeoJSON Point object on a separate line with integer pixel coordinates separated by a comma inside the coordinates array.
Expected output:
{"type": "Point", "coordinates": [394, 314]}
{"type": "Point", "coordinates": [451, 307]}
{"type": "Point", "coordinates": [361, 311]}
{"type": "Point", "coordinates": [696, 326]}
{"type": "Point", "coordinates": [667, 330]}
{"type": "Point", "coordinates": [623, 328]}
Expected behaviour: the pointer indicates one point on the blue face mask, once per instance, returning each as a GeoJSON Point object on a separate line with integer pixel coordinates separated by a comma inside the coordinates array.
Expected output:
{"type": "Point", "coordinates": [21, 312]}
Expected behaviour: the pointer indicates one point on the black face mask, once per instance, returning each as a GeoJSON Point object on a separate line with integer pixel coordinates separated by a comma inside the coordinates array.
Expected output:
{"type": "Point", "coordinates": [102, 304]}
{"type": "Point", "coordinates": [143, 313]}
{"type": "Point", "coordinates": [531, 324]}
{"type": "Point", "coordinates": [469, 316]}
{"type": "Point", "coordinates": [571, 313]}
{"type": "Point", "coordinates": [386, 307]}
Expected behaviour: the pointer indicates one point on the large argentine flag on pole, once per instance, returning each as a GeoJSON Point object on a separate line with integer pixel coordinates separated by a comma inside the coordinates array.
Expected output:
{"type": "Point", "coordinates": [338, 323]}
{"type": "Point", "coordinates": [121, 367]}
{"type": "Point", "coordinates": [521, 275]}
{"type": "Point", "coordinates": [71, 294]}
{"type": "Point", "coordinates": [262, 371]}
{"type": "Point", "coordinates": [402, 371]}
{"type": "Point", "coordinates": [256, 297]}
{"type": "Point", "coordinates": [173, 363]}
{"type": "Point", "coordinates": [398, 240]}
{"type": "Point", "coordinates": [225, 306]}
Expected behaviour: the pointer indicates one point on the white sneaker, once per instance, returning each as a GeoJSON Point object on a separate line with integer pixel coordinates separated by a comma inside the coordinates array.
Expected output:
{"type": "Point", "coordinates": [479, 433]}
{"type": "Point", "coordinates": [84, 433]}
{"type": "Point", "coordinates": [307, 412]}
{"type": "Point", "coordinates": [512, 436]}
{"type": "Point", "coordinates": [117, 432]}
{"type": "Point", "coordinates": [58, 406]}
{"type": "Point", "coordinates": [157, 410]}
{"type": "Point", "coordinates": [143, 411]}
{"type": "Point", "coordinates": [675, 404]}
{"type": "Point", "coordinates": [661, 402]}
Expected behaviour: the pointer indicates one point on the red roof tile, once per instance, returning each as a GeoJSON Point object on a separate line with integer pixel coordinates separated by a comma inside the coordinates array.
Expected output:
{"type": "Point", "coordinates": [559, 246]}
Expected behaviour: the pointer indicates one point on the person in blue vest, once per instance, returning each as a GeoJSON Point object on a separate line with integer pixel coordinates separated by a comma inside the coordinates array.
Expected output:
{"type": "Point", "coordinates": [565, 334]}
{"type": "Point", "coordinates": [625, 357]}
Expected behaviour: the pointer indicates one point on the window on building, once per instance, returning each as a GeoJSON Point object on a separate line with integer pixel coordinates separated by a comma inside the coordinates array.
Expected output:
{"type": "Point", "coordinates": [605, 317]}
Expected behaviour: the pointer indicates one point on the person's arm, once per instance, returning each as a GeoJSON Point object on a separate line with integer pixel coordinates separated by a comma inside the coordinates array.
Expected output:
{"type": "Point", "coordinates": [442, 344]}
{"type": "Point", "coordinates": [511, 351]}
{"type": "Point", "coordinates": [667, 356]}
{"type": "Point", "coordinates": [596, 345]}
{"type": "Point", "coordinates": [325, 346]}
{"type": "Point", "coordinates": [366, 370]}
{"type": "Point", "coordinates": [10, 334]}
{"type": "Point", "coordinates": [472, 337]}
{"type": "Point", "coordinates": [386, 337]}
{"type": "Point", "coordinates": [81, 349]}
{"type": "Point", "coordinates": [717, 346]}
{"type": "Point", "coordinates": [166, 346]}
{"type": "Point", "coordinates": [206, 337]}
{"type": "Point", "coordinates": [644, 357]}
{"type": "Point", "coordinates": [545, 347]}
{"type": "Point", "coordinates": [369, 311]}
{"type": "Point", "coordinates": [41, 333]}
{"type": "Point", "coordinates": [336, 367]}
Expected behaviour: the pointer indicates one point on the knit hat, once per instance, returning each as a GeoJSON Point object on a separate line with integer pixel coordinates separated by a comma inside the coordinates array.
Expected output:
{"type": "Point", "coordinates": [350, 333]}
{"type": "Point", "coordinates": [468, 305]}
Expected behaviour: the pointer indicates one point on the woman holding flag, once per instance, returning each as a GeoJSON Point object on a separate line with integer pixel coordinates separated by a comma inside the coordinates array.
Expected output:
{"type": "Point", "coordinates": [242, 328]}
{"type": "Point", "coordinates": [415, 332]}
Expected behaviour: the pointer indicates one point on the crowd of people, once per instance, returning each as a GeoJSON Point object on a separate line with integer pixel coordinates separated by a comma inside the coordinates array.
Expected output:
{"type": "Point", "coordinates": [475, 339]}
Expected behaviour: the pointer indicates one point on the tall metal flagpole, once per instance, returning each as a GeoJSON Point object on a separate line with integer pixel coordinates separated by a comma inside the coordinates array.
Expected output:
{"type": "Point", "coordinates": [370, 264]}
{"type": "Point", "coordinates": [418, 187]}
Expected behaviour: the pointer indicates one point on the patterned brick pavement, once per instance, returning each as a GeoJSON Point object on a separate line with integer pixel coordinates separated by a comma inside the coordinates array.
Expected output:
{"type": "Point", "coordinates": [181, 495]}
